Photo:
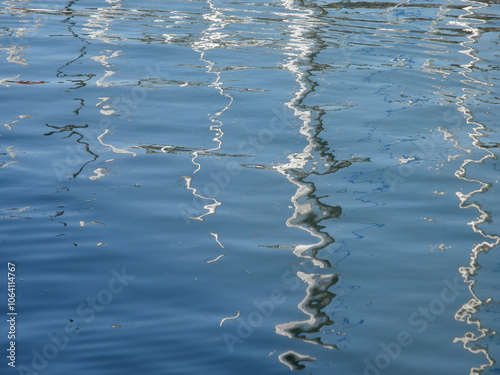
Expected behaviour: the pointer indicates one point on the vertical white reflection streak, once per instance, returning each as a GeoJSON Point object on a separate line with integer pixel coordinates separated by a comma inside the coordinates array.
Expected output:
{"type": "Point", "coordinates": [467, 311]}
{"type": "Point", "coordinates": [299, 26]}
{"type": "Point", "coordinates": [211, 39]}
{"type": "Point", "coordinates": [302, 22]}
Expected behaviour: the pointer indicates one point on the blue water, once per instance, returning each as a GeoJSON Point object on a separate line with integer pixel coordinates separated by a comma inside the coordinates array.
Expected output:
{"type": "Point", "coordinates": [225, 187]}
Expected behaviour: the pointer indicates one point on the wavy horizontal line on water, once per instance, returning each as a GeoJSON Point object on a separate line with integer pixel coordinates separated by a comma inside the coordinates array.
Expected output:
{"type": "Point", "coordinates": [138, 14]}
{"type": "Point", "coordinates": [169, 149]}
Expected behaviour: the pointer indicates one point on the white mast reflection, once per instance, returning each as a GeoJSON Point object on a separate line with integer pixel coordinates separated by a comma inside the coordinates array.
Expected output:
{"type": "Point", "coordinates": [298, 161]}
{"type": "Point", "coordinates": [303, 23]}
{"type": "Point", "coordinates": [471, 341]}
{"type": "Point", "coordinates": [211, 38]}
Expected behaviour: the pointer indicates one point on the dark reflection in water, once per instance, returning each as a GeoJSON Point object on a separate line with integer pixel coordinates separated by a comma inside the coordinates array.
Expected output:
{"type": "Point", "coordinates": [293, 359]}
{"type": "Point", "coordinates": [79, 137]}
{"type": "Point", "coordinates": [81, 154]}
{"type": "Point", "coordinates": [80, 80]}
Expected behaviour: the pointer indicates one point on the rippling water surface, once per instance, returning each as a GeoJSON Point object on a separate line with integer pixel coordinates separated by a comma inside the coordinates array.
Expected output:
{"type": "Point", "coordinates": [232, 187]}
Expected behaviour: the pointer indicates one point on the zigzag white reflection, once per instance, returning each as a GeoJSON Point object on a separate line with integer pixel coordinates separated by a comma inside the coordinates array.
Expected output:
{"type": "Point", "coordinates": [211, 39]}
{"type": "Point", "coordinates": [467, 311]}
{"type": "Point", "coordinates": [303, 23]}
{"type": "Point", "coordinates": [211, 208]}
{"type": "Point", "coordinates": [298, 161]}
{"type": "Point", "coordinates": [113, 148]}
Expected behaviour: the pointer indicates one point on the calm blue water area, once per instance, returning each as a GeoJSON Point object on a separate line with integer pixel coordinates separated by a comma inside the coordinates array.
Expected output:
{"type": "Point", "coordinates": [229, 187]}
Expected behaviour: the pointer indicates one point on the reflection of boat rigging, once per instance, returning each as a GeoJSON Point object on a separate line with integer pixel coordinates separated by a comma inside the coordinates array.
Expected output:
{"type": "Point", "coordinates": [79, 158]}
{"type": "Point", "coordinates": [73, 130]}
{"type": "Point", "coordinates": [474, 342]}
{"type": "Point", "coordinates": [211, 38]}
{"type": "Point", "coordinates": [317, 298]}
{"type": "Point", "coordinates": [97, 26]}
{"type": "Point", "coordinates": [79, 79]}
{"type": "Point", "coordinates": [309, 211]}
